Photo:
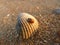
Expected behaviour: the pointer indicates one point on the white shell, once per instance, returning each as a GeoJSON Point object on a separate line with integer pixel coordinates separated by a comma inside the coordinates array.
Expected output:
{"type": "Point", "coordinates": [26, 28]}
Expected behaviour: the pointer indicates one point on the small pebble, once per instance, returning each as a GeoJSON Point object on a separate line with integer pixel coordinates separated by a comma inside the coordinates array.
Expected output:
{"type": "Point", "coordinates": [8, 15]}
{"type": "Point", "coordinates": [56, 11]}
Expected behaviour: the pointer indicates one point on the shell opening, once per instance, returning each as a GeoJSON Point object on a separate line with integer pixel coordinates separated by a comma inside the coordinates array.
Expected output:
{"type": "Point", "coordinates": [29, 20]}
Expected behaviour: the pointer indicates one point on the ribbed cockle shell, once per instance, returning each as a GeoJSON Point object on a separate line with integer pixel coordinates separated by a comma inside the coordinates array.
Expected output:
{"type": "Point", "coordinates": [27, 25]}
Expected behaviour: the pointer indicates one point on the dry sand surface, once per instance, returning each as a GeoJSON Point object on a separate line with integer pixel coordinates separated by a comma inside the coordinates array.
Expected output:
{"type": "Point", "coordinates": [49, 27]}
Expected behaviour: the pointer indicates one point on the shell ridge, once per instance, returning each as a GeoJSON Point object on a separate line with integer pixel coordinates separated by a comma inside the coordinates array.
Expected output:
{"type": "Point", "coordinates": [23, 29]}
{"type": "Point", "coordinates": [30, 31]}
{"type": "Point", "coordinates": [28, 28]}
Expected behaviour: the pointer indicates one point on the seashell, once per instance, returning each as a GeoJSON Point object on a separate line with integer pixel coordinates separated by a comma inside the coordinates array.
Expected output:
{"type": "Point", "coordinates": [27, 25]}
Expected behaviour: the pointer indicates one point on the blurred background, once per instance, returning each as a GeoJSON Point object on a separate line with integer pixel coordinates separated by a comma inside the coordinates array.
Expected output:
{"type": "Point", "coordinates": [45, 12]}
